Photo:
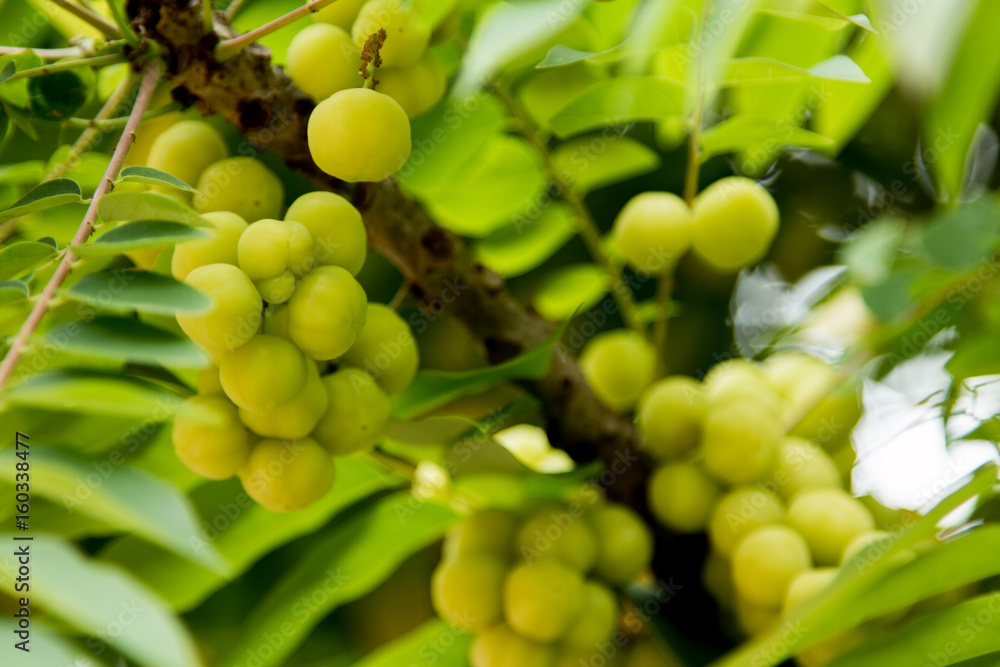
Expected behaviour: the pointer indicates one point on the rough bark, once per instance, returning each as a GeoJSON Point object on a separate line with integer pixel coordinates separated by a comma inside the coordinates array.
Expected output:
{"type": "Point", "coordinates": [272, 113]}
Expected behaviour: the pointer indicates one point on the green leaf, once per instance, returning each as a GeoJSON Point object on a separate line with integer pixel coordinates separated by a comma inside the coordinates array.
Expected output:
{"type": "Point", "coordinates": [242, 531]}
{"type": "Point", "coordinates": [7, 71]}
{"type": "Point", "coordinates": [16, 92]}
{"type": "Point", "coordinates": [446, 138]}
{"type": "Point", "coordinates": [740, 133]}
{"type": "Point", "coordinates": [98, 393]}
{"type": "Point", "coordinates": [138, 290]}
{"type": "Point", "coordinates": [60, 95]}
{"type": "Point", "coordinates": [948, 637]}
{"type": "Point", "coordinates": [963, 236]}
{"type": "Point", "coordinates": [620, 101]}
{"type": "Point", "coordinates": [560, 55]}
{"type": "Point", "coordinates": [97, 600]}
{"type": "Point", "coordinates": [432, 389]}
{"type": "Point", "coordinates": [114, 492]}
{"type": "Point", "coordinates": [506, 31]}
{"type": "Point", "coordinates": [589, 163]}
{"type": "Point", "coordinates": [570, 289]}
{"type": "Point", "coordinates": [968, 98]}
{"type": "Point", "coordinates": [151, 176]}
{"type": "Point", "coordinates": [127, 339]}
{"type": "Point", "coordinates": [133, 205]}
{"type": "Point", "coordinates": [29, 172]}
{"type": "Point", "coordinates": [758, 71]}
{"type": "Point", "coordinates": [504, 182]}
{"type": "Point", "coordinates": [349, 561]}
{"type": "Point", "coordinates": [48, 647]}
{"type": "Point", "coordinates": [47, 195]}
{"type": "Point", "coordinates": [138, 235]}
{"type": "Point", "coordinates": [20, 119]}
{"type": "Point", "coordinates": [450, 648]}
{"type": "Point", "coordinates": [528, 242]}
{"type": "Point", "coordinates": [870, 253]}
{"type": "Point", "coordinates": [19, 258]}
{"type": "Point", "coordinates": [819, 10]}
{"type": "Point", "coordinates": [12, 291]}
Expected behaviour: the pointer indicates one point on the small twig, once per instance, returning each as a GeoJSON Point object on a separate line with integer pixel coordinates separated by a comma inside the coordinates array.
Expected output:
{"type": "Point", "coordinates": [62, 65]}
{"type": "Point", "coordinates": [107, 28]}
{"type": "Point", "coordinates": [120, 122]}
{"type": "Point", "coordinates": [233, 9]}
{"type": "Point", "coordinates": [694, 153]}
{"type": "Point", "coordinates": [207, 16]}
{"type": "Point", "coordinates": [400, 296]}
{"type": "Point", "coordinates": [92, 134]}
{"type": "Point", "coordinates": [230, 47]}
{"type": "Point", "coordinates": [664, 290]}
{"type": "Point", "coordinates": [150, 78]}
{"type": "Point", "coordinates": [585, 224]}
{"type": "Point", "coordinates": [45, 54]}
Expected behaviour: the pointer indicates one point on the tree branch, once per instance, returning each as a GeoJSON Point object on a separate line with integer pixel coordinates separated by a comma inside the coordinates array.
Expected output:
{"type": "Point", "coordinates": [149, 80]}
{"type": "Point", "coordinates": [272, 113]}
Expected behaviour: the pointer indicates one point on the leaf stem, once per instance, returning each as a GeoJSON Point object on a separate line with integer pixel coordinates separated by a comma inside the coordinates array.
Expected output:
{"type": "Point", "coordinates": [233, 9]}
{"type": "Point", "coordinates": [230, 47]}
{"type": "Point", "coordinates": [151, 75]}
{"type": "Point", "coordinates": [585, 224]}
{"type": "Point", "coordinates": [92, 134]}
{"type": "Point", "coordinates": [120, 122]}
{"type": "Point", "coordinates": [106, 27]}
{"type": "Point", "coordinates": [62, 65]}
{"type": "Point", "coordinates": [207, 16]}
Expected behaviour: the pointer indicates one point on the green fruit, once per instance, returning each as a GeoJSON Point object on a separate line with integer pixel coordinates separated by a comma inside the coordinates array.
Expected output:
{"type": "Point", "coordinates": [208, 381]}
{"type": "Point", "coordinates": [417, 87]}
{"type": "Point", "coordinates": [335, 226]}
{"type": "Point", "coordinates": [286, 476]}
{"type": "Point", "coordinates": [555, 533]}
{"type": "Point", "coordinates": [242, 185]}
{"type": "Point", "coordinates": [618, 366]}
{"type": "Point", "coordinates": [735, 220]}
{"type": "Point", "coordinates": [801, 380]}
{"type": "Point", "coordinates": [803, 465]}
{"type": "Point", "coordinates": [277, 289]}
{"type": "Point", "coordinates": [863, 540]}
{"type": "Point", "coordinates": [327, 312]}
{"type": "Point", "coordinates": [670, 415]}
{"type": "Point", "coordinates": [340, 13]}
{"type": "Point", "coordinates": [213, 450]}
{"type": "Point", "coordinates": [502, 647]}
{"type": "Point", "coordinates": [322, 59]}
{"type": "Point", "coordinates": [598, 618]}
{"type": "Point", "coordinates": [739, 512]}
{"type": "Point", "coordinates": [268, 248]}
{"type": "Point", "coordinates": [766, 561]}
{"type": "Point", "coordinates": [828, 519]}
{"type": "Point", "coordinates": [357, 414]}
{"type": "Point", "coordinates": [234, 317]}
{"type": "Point", "coordinates": [681, 496]}
{"type": "Point", "coordinates": [467, 590]}
{"type": "Point", "coordinates": [186, 149]}
{"type": "Point", "coordinates": [626, 545]}
{"type": "Point", "coordinates": [263, 374]}
{"type": "Point", "coordinates": [385, 349]}
{"type": "Point", "coordinates": [489, 530]}
{"type": "Point", "coordinates": [359, 135]}
{"type": "Point", "coordinates": [738, 380]}
{"type": "Point", "coordinates": [406, 35]}
{"type": "Point", "coordinates": [740, 441]}
{"type": "Point", "coordinates": [543, 599]}
{"type": "Point", "coordinates": [295, 418]}
{"type": "Point", "coordinates": [653, 230]}
{"type": "Point", "coordinates": [806, 585]}
{"type": "Point", "coordinates": [219, 248]}
{"type": "Point", "coordinates": [754, 619]}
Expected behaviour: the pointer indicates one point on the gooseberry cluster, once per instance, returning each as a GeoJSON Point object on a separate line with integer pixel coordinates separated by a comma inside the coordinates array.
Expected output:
{"type": "Point", "coordinates": [363, 133]}
{"type": "Point", "coordinates": [303, 365]}
{"type": "Point", "coordinates": [538, 590]}
{"type": "Point", "coordinates": [777, 517]}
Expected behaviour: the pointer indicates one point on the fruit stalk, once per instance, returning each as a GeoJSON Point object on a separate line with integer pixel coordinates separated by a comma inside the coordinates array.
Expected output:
{"type": "Point", "coordinates": [107, 28]}
{"type": "Point", "coordinates": [96, 61]}
{"type": "Point", "coordinates": [230, 47]}
{"type": "Point", "coordinates": [151, 75]}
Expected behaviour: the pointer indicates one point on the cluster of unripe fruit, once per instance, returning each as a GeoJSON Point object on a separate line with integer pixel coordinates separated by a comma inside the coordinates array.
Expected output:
{"type": "Point", "coordinates": [773, 506]}
{"type": "Point", "coordinates": [303, 365]}
{"type": "Point", "coordinates": [357, 132]}
{"type": "Point", "coordinates": [539, 590]}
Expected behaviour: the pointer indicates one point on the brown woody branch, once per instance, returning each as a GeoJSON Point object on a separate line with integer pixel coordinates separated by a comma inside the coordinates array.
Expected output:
{"type": "Point", "coordinates": [272, 113]}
